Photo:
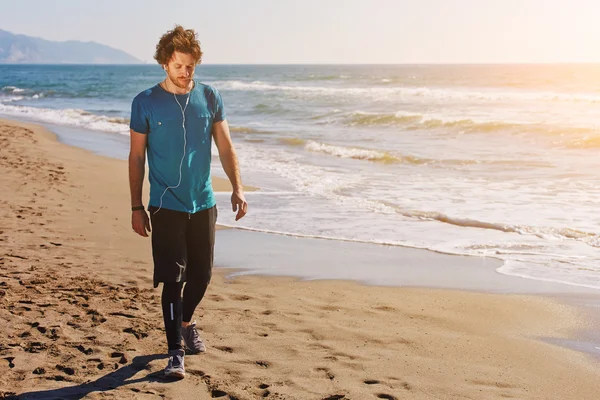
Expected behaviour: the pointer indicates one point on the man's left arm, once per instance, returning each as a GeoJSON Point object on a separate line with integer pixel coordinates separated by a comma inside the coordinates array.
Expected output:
{"type": "Point", "coordinates": [229, 161]}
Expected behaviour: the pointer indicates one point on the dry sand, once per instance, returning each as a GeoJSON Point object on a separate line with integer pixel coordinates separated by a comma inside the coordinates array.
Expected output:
{"type": "Point", "coordinates": [79, 317]}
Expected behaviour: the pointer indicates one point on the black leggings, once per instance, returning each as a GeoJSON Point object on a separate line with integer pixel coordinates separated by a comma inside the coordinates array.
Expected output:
{"type": "Point", "coordinates": [182, 248]}
{"type": "Point", "coordinates": [175, 308]}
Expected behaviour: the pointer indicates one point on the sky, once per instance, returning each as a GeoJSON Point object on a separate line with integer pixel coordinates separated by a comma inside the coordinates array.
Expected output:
{"type": "Point", "coordinates": [327, 31]}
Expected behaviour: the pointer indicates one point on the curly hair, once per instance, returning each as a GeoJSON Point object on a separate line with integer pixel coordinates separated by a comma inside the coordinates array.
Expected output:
{"type": "Point", "coordinates": [181, 40]}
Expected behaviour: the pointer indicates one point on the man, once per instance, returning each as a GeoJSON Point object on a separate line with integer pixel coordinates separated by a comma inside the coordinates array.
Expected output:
{"type": "Point", "coordinates": [174, 122]}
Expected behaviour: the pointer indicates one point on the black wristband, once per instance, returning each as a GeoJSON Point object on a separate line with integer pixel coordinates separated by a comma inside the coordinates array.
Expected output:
{"type": "Point", "coordinates": [137, 208]}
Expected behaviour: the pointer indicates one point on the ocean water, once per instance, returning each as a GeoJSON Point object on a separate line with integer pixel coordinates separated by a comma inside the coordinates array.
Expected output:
{"type": "Point", "coordinates": [496, 160]}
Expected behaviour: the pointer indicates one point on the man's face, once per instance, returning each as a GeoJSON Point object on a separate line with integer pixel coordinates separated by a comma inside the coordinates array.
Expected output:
{"type": "Point", "coordinates": [180, 69]}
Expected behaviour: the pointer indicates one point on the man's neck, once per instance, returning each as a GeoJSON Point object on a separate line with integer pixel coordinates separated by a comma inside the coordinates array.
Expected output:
{"type": "Point", "coordinates": [172, 88]}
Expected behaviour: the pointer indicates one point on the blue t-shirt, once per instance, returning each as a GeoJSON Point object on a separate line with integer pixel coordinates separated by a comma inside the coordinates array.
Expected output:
{"type": "Point", "coordinates": [155, 112]}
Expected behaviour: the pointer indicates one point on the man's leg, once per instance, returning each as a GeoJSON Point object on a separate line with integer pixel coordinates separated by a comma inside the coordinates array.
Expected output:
{"type": "Point", "coordinates": [200, 255]}
{"type": "Point", "coordinates": [172, 313]}
{"type": "Point", "coordinates": [170, 262]}
{"type": "Point", "coordinates": [200, 245]}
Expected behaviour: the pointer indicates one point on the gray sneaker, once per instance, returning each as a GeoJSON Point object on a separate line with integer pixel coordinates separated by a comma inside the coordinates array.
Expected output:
{"type": "Point", "coordinates": [175, 367]}
{"type": "Point", "coordinates": [192, 340]}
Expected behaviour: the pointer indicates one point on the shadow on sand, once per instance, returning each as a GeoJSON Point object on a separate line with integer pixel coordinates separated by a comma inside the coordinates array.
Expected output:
{"type": "Point", "coordinates": [106, 383]}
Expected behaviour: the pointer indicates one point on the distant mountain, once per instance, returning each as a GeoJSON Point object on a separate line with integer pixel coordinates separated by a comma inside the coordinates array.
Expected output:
{"type": "Point", "coordinates": [21, 49]}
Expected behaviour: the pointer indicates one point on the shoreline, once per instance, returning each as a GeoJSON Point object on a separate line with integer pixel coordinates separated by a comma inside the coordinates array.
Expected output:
{"type": "Point", "coordinates": [66, 237]}
{"type": "Point", "coordinates": [397, 266]}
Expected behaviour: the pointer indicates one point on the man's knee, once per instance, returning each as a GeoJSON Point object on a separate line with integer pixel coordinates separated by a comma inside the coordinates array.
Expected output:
{"type": "Point", "coordinates": [201, 277]}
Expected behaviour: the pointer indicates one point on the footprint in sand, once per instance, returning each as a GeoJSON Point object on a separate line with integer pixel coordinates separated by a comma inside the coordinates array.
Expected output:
{"type": "Point", "coordinates": [122, 314]}
{"type": "Point", "coordinates": [10, 362]}
{"type": "Point", "coordinates": [97, 318]}
{"type": "Point", "coordinates": [59, 378]}
{"type": "Point", "coordinates": [264, 364]}
{"type": "Point", "coordinates": [328, 374]}
{"type": "Point", "coordinates": [121, 356]}
{"type": "Point", "coordinates": [54, 333]}
{"type": "Point", "coordinates": [73, 324]}
{"type": "Point", "coordinates": [216, 393]}
{"type": "Point", "coordinates": [226, 349]}
{"type": "Point", "coordinates": [335, 397]}
{"type": "Point", "coordinates": [66, 370]}
{"type": "Point", "coordinates": [216, 297]}
{"type": "Point", "coordinates": [137, 332]}
{"type": "Point", "coordinates": [240, 297]}
{"type": "Point", "coordinates": [345, 355]}
{"type": "Point", "coordinates": [85, 351]}
{"type": "Point", "coordinates": [497, 384]}
{"type": "Point", "coordinates": [35, 347]}
{"type": "Point", "coordinates": [386, 396]}
{"type": "Point", "coordinates": [195, 372]}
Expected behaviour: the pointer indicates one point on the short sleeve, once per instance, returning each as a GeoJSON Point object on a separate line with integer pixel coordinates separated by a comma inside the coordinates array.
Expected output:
{"type": "Point", "coordinates": [219, 109]}
{"type": "Point", "coordinates": [139, 119]}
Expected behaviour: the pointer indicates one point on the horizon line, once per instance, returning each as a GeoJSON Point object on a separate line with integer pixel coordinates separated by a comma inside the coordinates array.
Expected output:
{"type": "Point", "coordinates": [477, 63]}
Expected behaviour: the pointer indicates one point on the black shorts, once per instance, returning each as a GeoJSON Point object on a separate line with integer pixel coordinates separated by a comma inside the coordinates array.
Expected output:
{"type": "Point", "coordinates": [182, 244]}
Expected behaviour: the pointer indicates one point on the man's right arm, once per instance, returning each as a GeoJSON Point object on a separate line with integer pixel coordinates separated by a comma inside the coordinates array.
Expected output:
{"type": "Point", "coordinates": [137, 169]}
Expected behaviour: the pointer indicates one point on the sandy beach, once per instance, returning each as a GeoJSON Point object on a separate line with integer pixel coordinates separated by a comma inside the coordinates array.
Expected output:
{"type": "Point", "coordinates": [80, 318]}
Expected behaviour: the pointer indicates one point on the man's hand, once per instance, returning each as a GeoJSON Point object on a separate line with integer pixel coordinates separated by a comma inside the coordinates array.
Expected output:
{"type": "Point", "coordinates": [140, 222]}
{"type": "Point", "coordinates": [239, 204]}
